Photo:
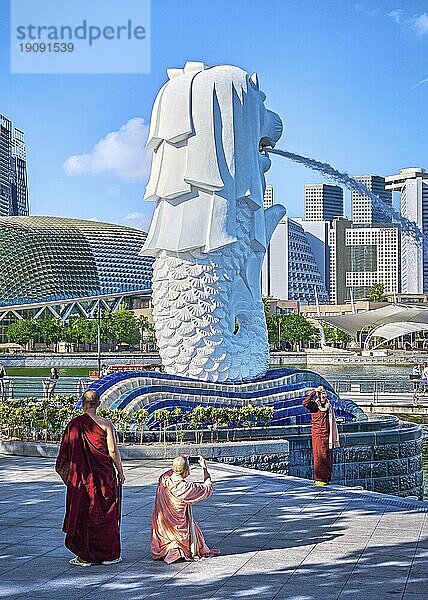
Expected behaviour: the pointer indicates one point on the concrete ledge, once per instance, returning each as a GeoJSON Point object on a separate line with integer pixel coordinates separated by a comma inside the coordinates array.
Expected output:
{"type": "Point", "coordinates": [18, 448]}
{"type": "Point", "coordinates": [149, 452]}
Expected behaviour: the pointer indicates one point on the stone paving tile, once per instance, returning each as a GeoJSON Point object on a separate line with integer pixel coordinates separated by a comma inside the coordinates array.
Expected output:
{"type": "Point", "coordinates": [280, 539]}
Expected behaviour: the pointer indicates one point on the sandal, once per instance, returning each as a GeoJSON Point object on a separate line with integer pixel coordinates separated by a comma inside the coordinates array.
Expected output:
{"type": "Point", "coordinates": [112, 562]}
{"type": "Point", "coordinates": [79, 563]}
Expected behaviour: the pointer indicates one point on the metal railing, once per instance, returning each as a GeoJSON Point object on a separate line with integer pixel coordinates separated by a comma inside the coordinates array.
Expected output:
{"type": "Point", "coordinates": [26, 387]}
{"type": "Point", "coordinates": [378, 387]}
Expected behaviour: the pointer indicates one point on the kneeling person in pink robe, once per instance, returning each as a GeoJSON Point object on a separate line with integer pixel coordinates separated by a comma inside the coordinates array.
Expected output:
{"type": "Point", "coordinates": [175, 534]}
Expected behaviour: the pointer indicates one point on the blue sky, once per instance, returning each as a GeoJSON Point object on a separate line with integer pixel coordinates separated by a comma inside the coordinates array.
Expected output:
{"type": "Point", "coordinates": [343, 75]}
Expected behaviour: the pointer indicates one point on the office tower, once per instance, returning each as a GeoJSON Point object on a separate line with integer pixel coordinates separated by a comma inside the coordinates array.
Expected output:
{"type": "Point", "coordinates": [13, 170]}
{"type": "Point", "coordinates": [317, 234]}
{"type": "Point", "coordinates": [290, 271]}
{"type": "Point", "coordinates": [375, 258]}
{"type": "Point", "coordinates": [360, 257]}
{"type": "Point", "coordinates": [323, 202]}
{"type": "Point", "coordinates": [340, 261]}
{"type": "Point", "coordinates": [268, 196]}
{"type": "Point", "coordinates": [363, 212]}
{"type": "Point", "coordinates": [413, 186]}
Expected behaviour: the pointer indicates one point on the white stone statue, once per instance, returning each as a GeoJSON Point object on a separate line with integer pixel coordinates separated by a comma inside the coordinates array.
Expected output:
{"type": "Point", "coordinates": [209, 231]}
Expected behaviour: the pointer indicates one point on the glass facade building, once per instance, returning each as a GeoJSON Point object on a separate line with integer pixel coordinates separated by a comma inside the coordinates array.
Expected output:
{"type": "Point", "coordinates": [13, 170]}
{"type": "Point", "coordinates": [323, 202]}
{"type": "Point", "coordinates": [48, 259]}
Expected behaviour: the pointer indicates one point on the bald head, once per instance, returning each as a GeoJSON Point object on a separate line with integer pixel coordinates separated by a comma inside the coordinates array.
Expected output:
{"type": "Point", "coordinates": [90, 399]}
{"type": "Point", "coordinates": [180, 465]}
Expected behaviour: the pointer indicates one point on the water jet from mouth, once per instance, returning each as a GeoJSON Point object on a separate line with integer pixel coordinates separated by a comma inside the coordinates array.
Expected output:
{"type": "Point", "coordinates": [407, 227]}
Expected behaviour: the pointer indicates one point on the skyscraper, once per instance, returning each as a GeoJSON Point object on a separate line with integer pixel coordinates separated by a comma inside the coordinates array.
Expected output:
{"type": "Point", "coordinates": [361, 257]}
{"type": "Point", "coordinates": [375, 258]}
{"type": "Point", "coordinates": [323, 202]}
{"type": "Point", "coordinates": [413, 186]}
{"type": "Point", "coordinates": [317, 234]}
{"type": "Point", "coordinates": [290, 271]}
{"type": "Point", "coordinates": [340, 261]}
{"type": "Point", "coordinates": [268, 197]}
{"type": "Point", "coordinates": [363, 212]}
{"type": "Point", "coordinates": [13, 170]}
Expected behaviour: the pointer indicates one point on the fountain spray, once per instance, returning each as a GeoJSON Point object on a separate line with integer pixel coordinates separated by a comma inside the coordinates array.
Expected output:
{"type": "Point", "coordinates": [407, 227]}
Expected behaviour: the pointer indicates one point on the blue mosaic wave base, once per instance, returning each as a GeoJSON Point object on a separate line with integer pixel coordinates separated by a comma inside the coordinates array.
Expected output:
{"type": "Point", "coordinates": [284, 389]}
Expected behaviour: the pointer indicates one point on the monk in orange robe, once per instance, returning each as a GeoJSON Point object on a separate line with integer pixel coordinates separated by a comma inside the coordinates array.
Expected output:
{"type": "Point", "coordinates": [87, 463]}
{"type": "Point", "coordinates": [325, 436]}
{"type": "Point", "coordinates": [175, 534]}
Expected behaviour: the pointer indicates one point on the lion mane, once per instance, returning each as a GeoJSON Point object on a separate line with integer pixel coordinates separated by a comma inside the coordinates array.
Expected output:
{"type": "Point", "coordinates": [206, 128]}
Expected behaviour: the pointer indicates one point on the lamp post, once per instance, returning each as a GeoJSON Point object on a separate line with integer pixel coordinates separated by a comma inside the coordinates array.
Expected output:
{"type": "Point", "coordinates": [99, 338]}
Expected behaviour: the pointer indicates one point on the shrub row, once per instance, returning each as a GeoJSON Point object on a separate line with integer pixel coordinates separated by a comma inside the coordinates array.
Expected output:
{"type": "Point", "coordinates": [35, 419]}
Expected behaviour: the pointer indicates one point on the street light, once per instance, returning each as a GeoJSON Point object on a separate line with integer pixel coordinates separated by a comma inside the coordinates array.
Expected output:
{"type": "Point", "coordinates": [99, 338]}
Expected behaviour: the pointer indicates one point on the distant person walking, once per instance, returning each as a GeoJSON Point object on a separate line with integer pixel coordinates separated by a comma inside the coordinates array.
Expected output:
{"type": "Point", "coordinates": [325, 436]}
{"type": "Point", "coordinates": [2, 387]}
{"type": "Point", "coordinates": [424, 381]}
{"type": "Point", "coordinates": [89, 464]}
{"type": "Point", "coordinates": [50, 384]}
{"type": "Point", "coordinates": [416, 379]}
{"type": "Point", "coordinates": [104, 371]}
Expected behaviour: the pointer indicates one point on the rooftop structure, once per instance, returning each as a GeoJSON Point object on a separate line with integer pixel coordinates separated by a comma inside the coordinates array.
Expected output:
{"type": "Point", "coordinates": [68, 266]}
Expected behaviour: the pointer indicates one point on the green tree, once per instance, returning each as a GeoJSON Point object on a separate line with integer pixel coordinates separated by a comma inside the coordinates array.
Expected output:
{"type": "Point", "coordinates": [296, 329]}
{"type": "Point", "coordinates": [163, 416]}
{"type": "Point", "coordinates": [140, 417]}
{"type": "Point", "coordinates": [198, 419]}
{"type": "Point", "coordinates": [336, 336]}
{"type": "Point", "coordinates": [266, 306]}
{"type": "Point", "coordinates": [123, 327]}
{"type": "Point", "coordinates": [51, 331]}
{"type": "Point", "coordinates": [22, 331]}
{"type": "Point", "coordinates": [81, 330]}
{"type": "Point", "coordinates": [145, 329]}
{"type": "Point", "coordinates": [272, 330]}
{"type": "Point", "coordinates": [263, 414]}
{"type": "Point", "coordinates": [377, 293]}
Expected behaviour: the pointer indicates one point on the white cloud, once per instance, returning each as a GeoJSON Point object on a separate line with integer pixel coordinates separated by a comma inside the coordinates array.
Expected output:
{"type": "Point", "coordinates": [138, 220]}
{"type": "Point", "coordinates": [396, 15]}
{"type": "Point", "coordinates": [421, 24]}
{"type": "Point", "coordinates": [120, 152]}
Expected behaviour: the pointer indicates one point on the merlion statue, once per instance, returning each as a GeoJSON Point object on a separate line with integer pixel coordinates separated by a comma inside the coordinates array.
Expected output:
{"type": "Point", "coordinates": [209, 230]}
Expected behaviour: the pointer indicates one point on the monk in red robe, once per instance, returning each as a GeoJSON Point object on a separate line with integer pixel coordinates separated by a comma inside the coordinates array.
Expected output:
{"type": "Point", "coordinates": [325, 436]}
{"type": "Point", "coordinates": [175, 534]}
{"type": "Point", "coordinates": [87, 463]}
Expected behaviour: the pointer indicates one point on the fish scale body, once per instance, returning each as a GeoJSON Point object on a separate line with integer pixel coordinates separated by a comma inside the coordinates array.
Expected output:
{"type": "Point", "coordinates": [192, 293]}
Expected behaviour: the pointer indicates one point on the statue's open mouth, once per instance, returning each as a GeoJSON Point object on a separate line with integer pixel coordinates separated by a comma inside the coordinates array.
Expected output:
{"type": "Point", "coordinates": [265, 143]}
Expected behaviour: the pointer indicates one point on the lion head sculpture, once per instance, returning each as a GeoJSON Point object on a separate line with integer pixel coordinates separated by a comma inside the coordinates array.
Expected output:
{"type": "Point", "coordinates": [207, 132]}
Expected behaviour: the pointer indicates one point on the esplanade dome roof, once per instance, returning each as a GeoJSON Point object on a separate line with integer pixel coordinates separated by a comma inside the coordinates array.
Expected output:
{"type": "Point", "coordinates": [52, 258]}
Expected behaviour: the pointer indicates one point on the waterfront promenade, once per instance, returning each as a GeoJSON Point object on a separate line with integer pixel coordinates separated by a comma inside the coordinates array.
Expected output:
{"type": "Point", "coordinates": [280, 537]}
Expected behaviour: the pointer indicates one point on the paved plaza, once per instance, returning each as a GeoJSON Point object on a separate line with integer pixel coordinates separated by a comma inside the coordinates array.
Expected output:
{"type": "Point", "coordinates": [280, 537]}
